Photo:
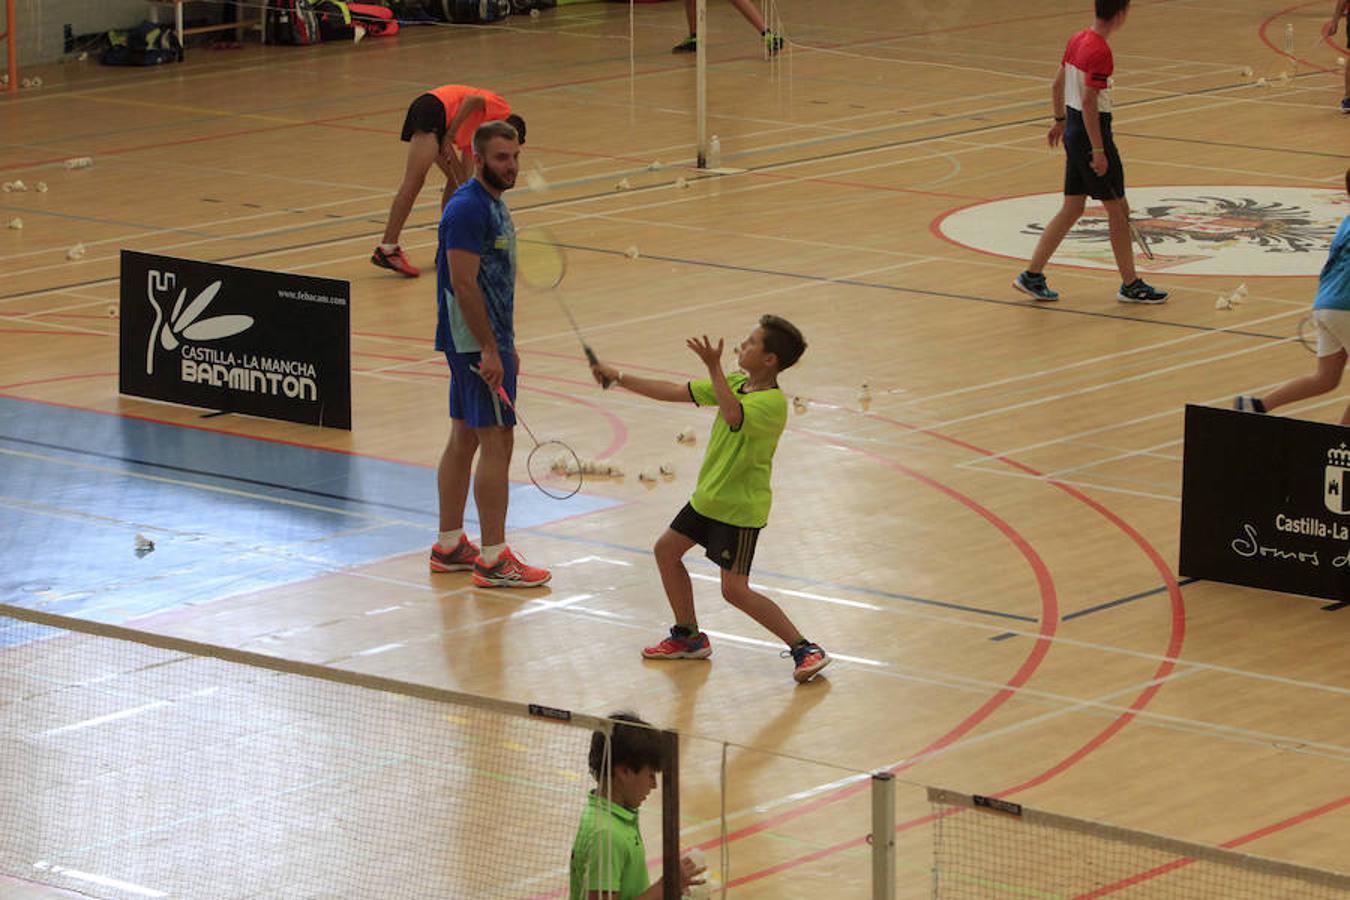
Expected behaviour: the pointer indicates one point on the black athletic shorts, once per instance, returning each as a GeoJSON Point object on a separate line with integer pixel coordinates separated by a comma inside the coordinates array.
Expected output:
{"type": "Point", "coordinates": [730, 546]}
{"type": "Point", "coordinates": [427, 113]}
{"type": "Point", "coordinates": [1078, 175]}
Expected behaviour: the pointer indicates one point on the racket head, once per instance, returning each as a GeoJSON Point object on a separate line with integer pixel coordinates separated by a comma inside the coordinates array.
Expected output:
{"type": "Point", "coordinates": [1307, 333]}
{"type": "Point", "coordinates": [540, 261]}
{"type": "Point", "coordinates": [1141, 241]}
{"type": "Point", "coordinates": [555, 469]}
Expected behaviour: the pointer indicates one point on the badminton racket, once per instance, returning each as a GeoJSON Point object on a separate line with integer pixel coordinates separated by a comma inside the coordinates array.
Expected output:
{"type": "Point", "coordinates": [1135, 234]}
{"type": "Point", "coordinates": [1307, 333]}
{"type": "Point", "coordinates": [542, 264]}
{"type": "Point", "coordinates": [554, 467]}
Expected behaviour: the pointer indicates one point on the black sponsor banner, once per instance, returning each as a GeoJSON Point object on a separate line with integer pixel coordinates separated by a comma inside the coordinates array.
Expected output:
{"type": "Point", "coordinates": [240, 340]}
{"type": "Point", "coordinates": [1265, 502]}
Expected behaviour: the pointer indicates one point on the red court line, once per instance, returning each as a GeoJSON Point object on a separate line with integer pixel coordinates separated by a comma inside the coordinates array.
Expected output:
{"type": "Point", "coordinates": [1146, 696]}
{"type": "Point", "coordinates": [101, 334]}
{"type": "Point", "coordinates": [34, 381]}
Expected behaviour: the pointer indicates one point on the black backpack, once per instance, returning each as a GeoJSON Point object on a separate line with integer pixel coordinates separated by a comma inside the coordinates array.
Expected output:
{"type": "Point", "coordinates": [147, 44]}
{"type": "Point", "coordinates": [291, 22]}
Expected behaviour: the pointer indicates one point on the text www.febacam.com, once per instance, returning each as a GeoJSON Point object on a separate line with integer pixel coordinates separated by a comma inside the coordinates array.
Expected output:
{"type": "Point", "coordinates": [312, 298]}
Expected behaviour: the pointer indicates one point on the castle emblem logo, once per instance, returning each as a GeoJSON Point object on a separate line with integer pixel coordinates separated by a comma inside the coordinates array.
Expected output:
{"type": "Point", "coordinates": [1336, 494]}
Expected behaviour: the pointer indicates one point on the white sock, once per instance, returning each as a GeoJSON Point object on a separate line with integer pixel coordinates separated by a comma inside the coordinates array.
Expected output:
{"type": "Point", "coordinates": [449, 539]}
{"type": "Point", "coordinates": [490, 553]}
{"type": "Point", "coordinates": [389, 248]}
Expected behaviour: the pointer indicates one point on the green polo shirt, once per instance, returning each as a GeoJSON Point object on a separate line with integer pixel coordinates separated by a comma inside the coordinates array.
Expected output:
{"type": "Point", "coordinates": [608, 854]}
{"type": "Point", "coordinates": [733, 484]}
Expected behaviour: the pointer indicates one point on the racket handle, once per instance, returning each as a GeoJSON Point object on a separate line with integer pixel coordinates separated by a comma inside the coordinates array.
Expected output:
{"type": "Point", "coordinates": [595, 361]}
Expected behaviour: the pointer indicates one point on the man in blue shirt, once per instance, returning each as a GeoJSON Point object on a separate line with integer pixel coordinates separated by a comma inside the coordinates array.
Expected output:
{"type": "Point", "coordinates": [475, 328]}
{"type": "Point", "coordinates": [1331, 315]}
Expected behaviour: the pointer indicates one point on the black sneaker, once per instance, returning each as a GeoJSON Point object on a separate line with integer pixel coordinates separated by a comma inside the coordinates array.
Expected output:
{"type": "Point", "coordinates": [1033, 285]}
{"type": "Point", "coordinates": [688, 45]}
{"type": "Point", "coordinates": [1140, 291]}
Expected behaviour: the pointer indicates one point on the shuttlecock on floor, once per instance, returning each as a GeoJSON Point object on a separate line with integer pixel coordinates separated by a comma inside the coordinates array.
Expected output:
{"type": "Point", "coordinates": [632, 253]}
{"type": "Point", "coordinates": [83, 56]}
{"type": "Point", "coordinates": [42, 187]}
{"type": "Point", "coordinates": [27, 82]}
{"type": "Point", "coordinates": [668, 469]}
{"type": "Point", "coordinates": [534, 13]}
{"type": "Point", "coordinates": [649, 475]}
{"type": "Point", "coordinates": [16, 223]}
{"type": "Point", "coordinates": [1340, 61]}
{"type": "Point", "coordinates": [1261, 82]}
{"type": "Point", "coordinates": [686, 436]}
{"type": "Point", "coordinates": [1223, 302]}
{"type": "Point", "coordinates": [20, 186]}
{"type": "Point", "coordinates": [112, 310]}
{"type": "Point", "coordinates": [535, 180]}
{"type": "Point", "coordinates": [143, 545]}
{"type": "Point", "coordinates": [799, 405]}
{"type": "Point", "coordinates": [75, 252]}
{"type": "Point", "coordinates": [1240, 292]}
{"type": "Point", "coordinates": [1246, 71]}
{"type": "Point", "coordinates": [654, 165]}
{"type": "Point", "coordinates": [623, 185]}
{"type": "Point", "coordinates": [7, 187]}
{"type": "Point", "coordinates": [864, 397]}
{"type": "Point", "coordinates": [681, 183]}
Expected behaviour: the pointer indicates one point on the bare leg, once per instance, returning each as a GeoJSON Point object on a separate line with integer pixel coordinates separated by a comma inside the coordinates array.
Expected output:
{"type": "Point", "coordinates": [737, 591]}
{"type": "Point", "coordinates": [751, 13]}
{"type": "Point", "coordinates": [491, 484]}
{"type": "Point", "coordinates": [1055, 230]}
{"type": "Point", "coordinates": [453, 474]}
{"type": "Point", "coordinates": [669, 551]}
{"type": "Point", "coordinates": [691, 14]}
{"type": "Point", "coordinates": [1118, 219]}
{"type": "Point", "coordinates": [422, 152]}
{"type": "Point", "coordinates": [1325, 379]}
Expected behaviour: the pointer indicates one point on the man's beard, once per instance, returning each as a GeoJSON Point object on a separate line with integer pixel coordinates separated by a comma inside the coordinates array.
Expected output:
{"type": "Point", "coordinates": [495, 181]}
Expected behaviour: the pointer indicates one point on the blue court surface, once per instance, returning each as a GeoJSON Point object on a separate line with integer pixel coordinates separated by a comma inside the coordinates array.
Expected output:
{"type": "Point", "coordinates": [226, 514]}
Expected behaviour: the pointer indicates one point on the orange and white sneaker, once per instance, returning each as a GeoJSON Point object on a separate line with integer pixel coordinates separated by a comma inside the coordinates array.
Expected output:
{"type": "Point", "coordinates": [394, 259]}
{"type": "Point", "coordinates": [508, 571]}
{"type": "Point", "coordinates": [680, 646]}
{"type": "Point", "coordinates": [458, 559]}
{"type": "Point", "coordinates": [807, 660]}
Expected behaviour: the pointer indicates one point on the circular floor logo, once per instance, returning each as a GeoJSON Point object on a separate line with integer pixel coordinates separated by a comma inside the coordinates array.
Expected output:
{"type": "Point", "coordinates": [1192, 229]}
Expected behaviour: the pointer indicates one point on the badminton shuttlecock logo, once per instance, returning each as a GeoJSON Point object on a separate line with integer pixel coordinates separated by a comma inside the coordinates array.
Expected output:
{"type": "Point", "coordinates": [185, 322]}
{"type": "Point", "coordinates": [1336, 495]}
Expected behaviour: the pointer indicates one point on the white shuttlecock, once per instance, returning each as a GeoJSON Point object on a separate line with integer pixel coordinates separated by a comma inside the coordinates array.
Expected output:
{"type": "Point", "coordinates": [1282, 78]}
{"type": "Point", "coordinates": [1261, 82]}
{"type": "Point", "coordinates": [83, 56]}
{"type": "Point", "coordinates": [864, 397]}
{"type": "Point", "coordinates": [16, 223]}
{"type": "Point", "coordinates": [27, 82]}
{"type": "Point", "coordinates": [20, 186]}
{"type": "Point", "coordinates": [696, 857]}
{"type": "Point", "coordinates": [112, 310]}
{"type": "Point", "coordinates": [1340, 61]}
{"type": "Point", "coordinates": [686, 436]}
{"type": "Point", "coordinates": [705, 891]}
{"type": "Point", "coordinates": [1246, 71]}
{"type": "Point", "coordinates": [37, 81]}
{"type": "Point", "coordinates": [42, 187]}
{"type": "Point", "coordinates": [632, 253]}
{"type": "Point", "coordinates": [668, 469]}
{"type": "Point", "coordinates": [8, 186]}
{"type": "Point", "coordinates": [615, 470]}
{"type": "Point", "coordinates": [1223, 302]}
{"type": "Point", "coordinates": [799, 406]}
{"type": "Point", "coordinates": [650, 475]}
{"type": "Point", "coordinates": [358, 34]}
{"type": "Point", "coordinates": [681, 183]}
{"type": "Point", "coordinates": [534, 179]}
{"type": "Point", "coordinates": [144, 544]}
{"type": "Point", "coordinates": [623, 185]}
{"type": "Point", "coordinates": [1110, 82]}
{"type": "Point", "coordinates": [4, 78]}
{"type": "Point", "coordinates": [1240, 291]}
{"type": "Point", "coordinates": [534, 13]}
{"type": "Point", "coordinates": [75, 252]}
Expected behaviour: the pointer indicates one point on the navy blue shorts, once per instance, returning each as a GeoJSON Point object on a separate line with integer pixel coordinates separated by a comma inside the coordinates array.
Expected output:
{"type": "Point", "coordinates": [1079, 178]}
{"type": "Point", "coordinates": [470, 398]}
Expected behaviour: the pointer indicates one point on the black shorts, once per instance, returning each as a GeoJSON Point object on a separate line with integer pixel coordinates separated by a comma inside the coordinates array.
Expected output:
{"type": "Point", "coordinates": [1078, 175]}
{"type": "Point", "coordinates": [427, 113]}
{"type": "Point", "coordinates": [730, 546]}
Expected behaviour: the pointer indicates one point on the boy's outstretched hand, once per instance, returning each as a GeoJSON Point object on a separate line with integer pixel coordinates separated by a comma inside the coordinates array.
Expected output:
{"type": "Point", "coordinates": [711, 356]}
{"type": "Point", "coordinates": [604, 374]}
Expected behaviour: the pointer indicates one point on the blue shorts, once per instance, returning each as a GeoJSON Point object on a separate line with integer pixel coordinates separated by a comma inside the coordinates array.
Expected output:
{"type": "Point", "coordinates": [470, 398]}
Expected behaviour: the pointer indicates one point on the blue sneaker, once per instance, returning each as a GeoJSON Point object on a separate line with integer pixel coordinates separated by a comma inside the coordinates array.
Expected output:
{"type": "Point", "coordinates": [1140, 291]}
{"type": "Point", "coordinates": [680, 646]}
{"type": "Point", "coordinates": [1033, 285]}
{"type": "Point", "coordinates": [1345, 105]}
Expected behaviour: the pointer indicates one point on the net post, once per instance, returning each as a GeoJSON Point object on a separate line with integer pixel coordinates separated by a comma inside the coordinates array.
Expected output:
{"type": "Point", "coordinates": [11, 51]}
{"type": "Point", "coordinates": [670, 815]}
{"type": "Point", "coordinates": [701, 78]}
{"type": "Point", "coordinates": [883, 836]}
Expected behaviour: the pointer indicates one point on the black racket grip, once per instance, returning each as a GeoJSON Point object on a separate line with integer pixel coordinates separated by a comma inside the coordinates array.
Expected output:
{"type": "Point", "coordinates": [595, 361]}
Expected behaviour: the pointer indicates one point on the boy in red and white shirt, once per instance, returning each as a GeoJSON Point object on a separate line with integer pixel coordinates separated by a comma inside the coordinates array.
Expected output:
{"type": "Point", "coordinates": [1081, 99]}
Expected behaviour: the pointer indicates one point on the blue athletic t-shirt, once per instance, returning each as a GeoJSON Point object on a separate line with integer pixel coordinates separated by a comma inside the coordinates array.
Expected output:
{"type": "Point", "coordinates": [1333, 285]}
{"type": "Point", "coordinates": [476, 221]}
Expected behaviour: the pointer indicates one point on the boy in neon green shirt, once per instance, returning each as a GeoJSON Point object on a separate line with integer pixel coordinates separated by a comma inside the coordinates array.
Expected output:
{"type": "Point", "coordinates": [609, 861]}
{"type": "Point", "coordinates": [731, 502]}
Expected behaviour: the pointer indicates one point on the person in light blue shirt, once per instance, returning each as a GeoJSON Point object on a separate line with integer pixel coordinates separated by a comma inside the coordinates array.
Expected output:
{"type": "Point", "coordinates": [1331, 316]}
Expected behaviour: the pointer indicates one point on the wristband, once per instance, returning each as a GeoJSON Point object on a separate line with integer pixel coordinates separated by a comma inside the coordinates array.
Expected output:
{"type": "Point", "coordinates": [1099, 150]}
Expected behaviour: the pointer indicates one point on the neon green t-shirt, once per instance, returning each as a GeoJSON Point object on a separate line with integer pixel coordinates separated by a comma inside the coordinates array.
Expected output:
{"type": "Point", "coordinates": [733, 484]}
{"type": "Point", "coordinates": [608, 854]}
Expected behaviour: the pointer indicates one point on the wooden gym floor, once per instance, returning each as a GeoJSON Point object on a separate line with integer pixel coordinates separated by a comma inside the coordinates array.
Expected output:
{"type": "Point", "coordinates": [989, 548]}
